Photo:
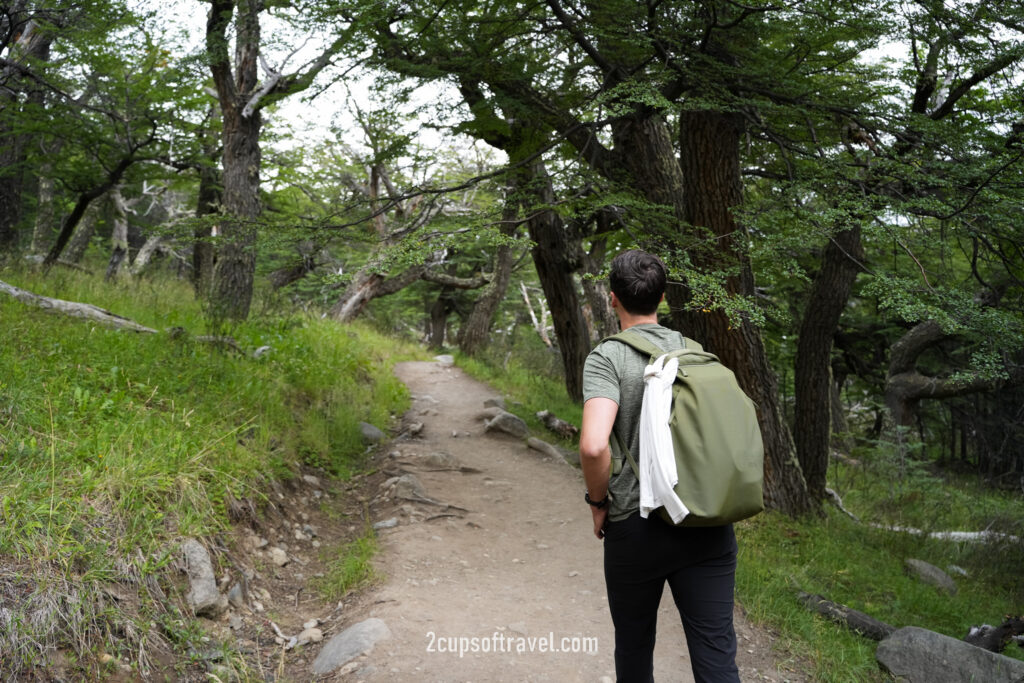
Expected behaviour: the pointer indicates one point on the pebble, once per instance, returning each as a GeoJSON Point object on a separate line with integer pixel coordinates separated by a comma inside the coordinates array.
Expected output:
{"type": "Point", "coordinates": [310, 635]}
{"type": "Point", "coordinates": [573, 573]}
{"type": "Point", "coordinates": [278, 557]}
{"type": "Point", "coordinates": [235, 596]}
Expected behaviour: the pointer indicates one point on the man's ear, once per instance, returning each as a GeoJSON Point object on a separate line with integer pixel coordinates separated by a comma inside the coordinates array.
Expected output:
{"type": "Point", "coordinates": [615, 299]}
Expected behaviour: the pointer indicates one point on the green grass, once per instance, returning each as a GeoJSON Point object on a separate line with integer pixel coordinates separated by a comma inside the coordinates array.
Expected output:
{"type": "Point", "coordinates": [351, 568]}
{"type": "Point", "coordinates": [862, 567]}
{"type": "Point", "coordinates": [114, 445]}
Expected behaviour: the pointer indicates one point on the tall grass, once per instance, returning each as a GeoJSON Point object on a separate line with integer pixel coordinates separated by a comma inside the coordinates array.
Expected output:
{"type": "Point", "coordinates": [113, 444]}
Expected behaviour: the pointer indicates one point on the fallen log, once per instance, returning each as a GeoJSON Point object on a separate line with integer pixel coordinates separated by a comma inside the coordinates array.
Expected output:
{"type": "Point", "coordinates": [75, 309]}
{"type": "Point", "coordinates": [996, 638]}
{"type": "Point", "coordinates": [557, 425]}
{"type": "Point", "coordinates": [95, 313]}
{"type": "Point", "coordinates": [858, 622]}
{"type": "Point", "coordinates": [986, 536]}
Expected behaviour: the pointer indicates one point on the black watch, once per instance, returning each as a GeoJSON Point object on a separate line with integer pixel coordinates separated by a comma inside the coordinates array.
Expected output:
{"type": "Point", "coordinates": [596, 503]}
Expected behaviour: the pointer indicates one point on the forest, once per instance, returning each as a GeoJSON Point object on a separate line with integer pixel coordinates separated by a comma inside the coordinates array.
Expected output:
{"type": "Point", "coordinates": [836, 186]}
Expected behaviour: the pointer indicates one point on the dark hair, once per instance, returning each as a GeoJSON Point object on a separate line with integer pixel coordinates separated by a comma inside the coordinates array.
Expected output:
{"type": "Point", "coordinates": [638, 280]}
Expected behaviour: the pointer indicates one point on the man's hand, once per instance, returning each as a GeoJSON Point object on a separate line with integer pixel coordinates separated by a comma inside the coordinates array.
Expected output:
{"type": "Point", "coordinates": [600, 515]}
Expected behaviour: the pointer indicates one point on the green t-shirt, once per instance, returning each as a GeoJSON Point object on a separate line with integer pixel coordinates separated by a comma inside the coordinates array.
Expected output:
{"type": "Point", "coordinates": [616, 371]}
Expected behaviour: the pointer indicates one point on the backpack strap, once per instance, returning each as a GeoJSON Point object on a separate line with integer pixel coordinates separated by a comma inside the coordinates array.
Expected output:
{"type": "Point", "coordinates": [629, 456]}
{"type": "Point", "coordinates": [632, 338]}
{"type": "Point", "coordinates": [637, 341]}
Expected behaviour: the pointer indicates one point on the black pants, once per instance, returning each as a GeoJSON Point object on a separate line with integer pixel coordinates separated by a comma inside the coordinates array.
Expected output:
{"type": "Point", "coordinates": [699, 564]}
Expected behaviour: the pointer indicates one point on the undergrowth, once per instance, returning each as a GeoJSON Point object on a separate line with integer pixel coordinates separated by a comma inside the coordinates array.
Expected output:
{"type": "Point", "coordinates": [115, 445]}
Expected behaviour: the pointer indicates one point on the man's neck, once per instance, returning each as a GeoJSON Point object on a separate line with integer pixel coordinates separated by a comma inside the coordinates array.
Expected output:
{"type": "Point", "coordinates": [628, 320]}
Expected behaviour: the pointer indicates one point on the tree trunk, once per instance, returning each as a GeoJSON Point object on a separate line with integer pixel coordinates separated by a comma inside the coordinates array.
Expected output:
{"type": "Point", "coordinates": [33, 45]}
{"type": "Point", "coordinates": [12, 176]}
{"type": "Point", "coordinates": [603, 322]}
{"type": "Point", "coordinates": [437, 322]}
{"type": "Point", "coordinates": [474, 333]}
{"type": "Point", "coordinates": [42, 232]}
{"type": "Point", "coordinates": [233, 274]}
{"type": "Point", "coordinates": [551, 257]}
{"type": "Point", "coordinates": [235, 268]}
{"type": "Point", "coordinates": [813, 378]}
{"type": "Point", "coordinates": [207, 203]}
{"type": "Point", "coordinates": [841, 439]}
{"type": "Point", "coordinates": [145, 254]}
{"type": "Point", "coordinates": [83, 235]}
{"type": "Point", "coordinates": [119, 235]}
{"type": "Point", "coordinates": [368, 285]}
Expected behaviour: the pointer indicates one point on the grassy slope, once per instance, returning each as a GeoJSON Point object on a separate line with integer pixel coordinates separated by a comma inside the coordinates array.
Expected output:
{"type": "Point", "coordinates": [114, 445]}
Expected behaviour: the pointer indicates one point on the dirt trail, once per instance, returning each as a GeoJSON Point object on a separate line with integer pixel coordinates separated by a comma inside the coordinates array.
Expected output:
{"type": "Point", "coordinates": [519, 572]}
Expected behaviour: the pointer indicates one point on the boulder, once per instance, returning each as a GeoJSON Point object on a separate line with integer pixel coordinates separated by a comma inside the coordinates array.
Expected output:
{"type": "Point", "coordinates": [921, 656]}
{"type": "Point", "coordinates": [929, 573]}
{"type": "Point", "coordinates": [203, 596]}
{"type": "Point", "coordinates": [508, 423]}
{"type": "Point", "coordinates": [571, 457]}
{"type": "Point", "coordinates": [408, 486]}
{"type": "Point", "coordinates": [441, 459]}
{"type": "Point", "coordinates": [495, 402]}
{"type": "Point", "coordinates": [349, 644]}
{"type": "Point", "coordinates": [445, 360]}
{"type": "Point", "coordinates": [370, 433]}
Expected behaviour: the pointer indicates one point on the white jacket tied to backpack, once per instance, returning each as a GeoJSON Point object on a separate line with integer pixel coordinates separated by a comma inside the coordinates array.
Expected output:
{"type": "Point", "coordinates": [658, 475]}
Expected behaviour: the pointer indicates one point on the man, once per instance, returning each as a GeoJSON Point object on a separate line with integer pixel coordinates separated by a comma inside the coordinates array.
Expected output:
{"type": "Point", "coordinates": [641, 555]}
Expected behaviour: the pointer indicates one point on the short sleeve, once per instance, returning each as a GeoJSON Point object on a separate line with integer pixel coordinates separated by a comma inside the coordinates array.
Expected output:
{"type": "Point", "coordinates": [600, 380]}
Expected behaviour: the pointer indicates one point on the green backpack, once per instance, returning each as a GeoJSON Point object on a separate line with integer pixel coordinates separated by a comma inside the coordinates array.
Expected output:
{"type": "Point", "coordinates": [715, 436]}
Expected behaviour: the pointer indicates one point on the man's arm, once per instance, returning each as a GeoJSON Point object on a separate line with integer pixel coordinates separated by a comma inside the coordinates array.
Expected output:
{"type": "Point", "coordinates": [595, 453]}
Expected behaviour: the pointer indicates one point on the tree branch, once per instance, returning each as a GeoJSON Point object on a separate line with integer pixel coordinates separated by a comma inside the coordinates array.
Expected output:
{"type": "Point", "coordinates": [447, 280]}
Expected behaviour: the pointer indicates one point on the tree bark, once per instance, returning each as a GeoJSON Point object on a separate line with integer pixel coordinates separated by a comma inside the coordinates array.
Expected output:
{"type": "Point", "coordinates": [208, 202]}
{"type": "Point", "coordinates": [437, 320]}
{"type": "Point", "coordinates": [551, 258]}
{"type": "Point", "coordinates": [145, 255]}
{"type": "Point", "coordinates": [42, 231]}
{"type": "Point", "coordinates": [367, 286]}
{"type": "Point", "coordinates": [232, 284]}
{"type": "Point", "coordinates": [33, 44]}
{"type": "Point", "coordinates": [119, 234]}
{"type": "Point", "coordinates": [812, 426]}
{"type": "Point", "coordinates": [241, 98]}
{"type": "Point", "coordinates": [603, 322]}
{"type": "Point", "coordinates": [83, 235]}
{"type": "Point", "coordinates": [474, 333]}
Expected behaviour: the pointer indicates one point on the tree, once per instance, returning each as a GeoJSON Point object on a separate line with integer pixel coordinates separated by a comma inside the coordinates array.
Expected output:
{"type": "Point", "coordinates": [27, 32]}
{"type": "Point", "coordinates": [242, 97]}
